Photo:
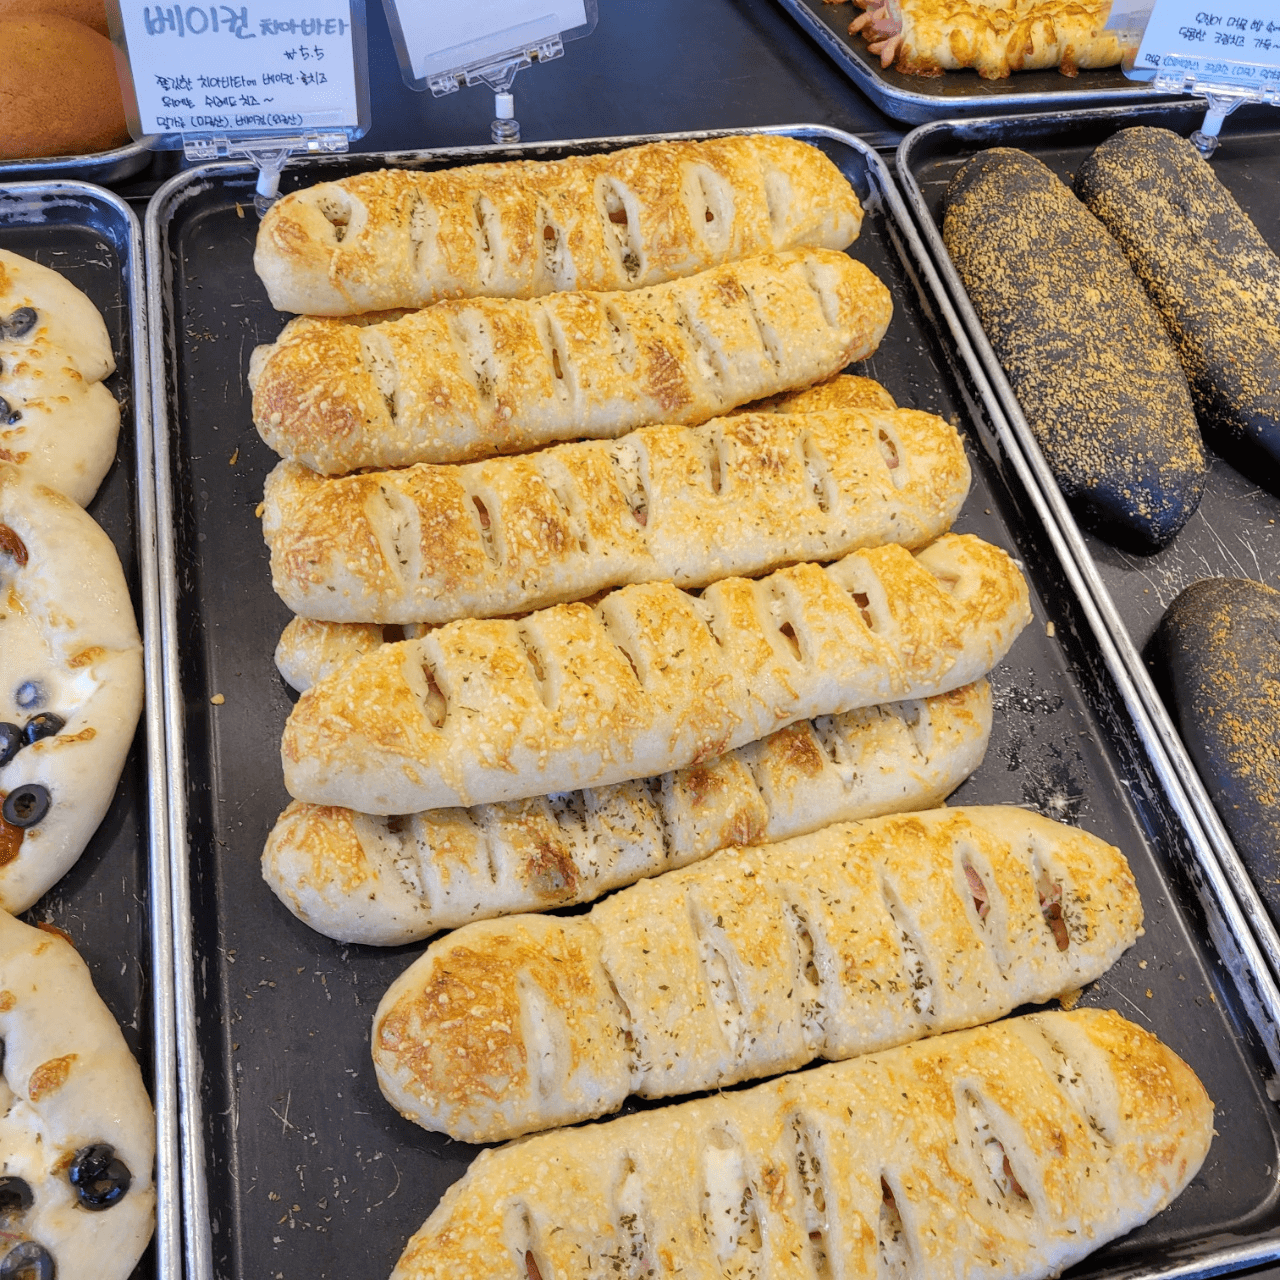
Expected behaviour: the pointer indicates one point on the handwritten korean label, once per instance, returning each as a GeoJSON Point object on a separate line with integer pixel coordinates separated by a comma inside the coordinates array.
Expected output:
{"type": "Point", "coordinates": [1234, 42]}
{"type": "Point", "coordinates": [270, 65]}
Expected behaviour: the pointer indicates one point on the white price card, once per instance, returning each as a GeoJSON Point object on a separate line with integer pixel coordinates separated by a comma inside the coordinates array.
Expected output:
{"type": "Point", "coordinates": [262, 67]}
{"type": "Point", "coordinates": [1229, 42]}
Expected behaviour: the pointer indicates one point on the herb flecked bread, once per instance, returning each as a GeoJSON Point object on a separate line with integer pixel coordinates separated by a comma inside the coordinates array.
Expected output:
{"type": "Point", "coordinates": [469, 379]}
{"type": "Point", "coordinates": [386, 881]}
{"type": "Point", "coordinates": [623, 220]}
{"type": "Point", "coordinates": [738, 495]}
{"type": "Point", "coordinates": [754, 961]}
{"type": "Point", "coordinates": [1003, 1153]}
{"type": "Point", "coordinates": [652, 678]}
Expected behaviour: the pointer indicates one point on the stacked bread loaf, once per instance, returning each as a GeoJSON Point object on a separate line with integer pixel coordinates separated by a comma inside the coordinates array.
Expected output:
{"type": "Point", "coordinates": [604, 572]}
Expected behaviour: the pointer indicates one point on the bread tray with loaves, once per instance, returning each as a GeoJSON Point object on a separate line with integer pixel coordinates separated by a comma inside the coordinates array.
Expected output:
{"type": "Point", "coordinates": [302, 1166]}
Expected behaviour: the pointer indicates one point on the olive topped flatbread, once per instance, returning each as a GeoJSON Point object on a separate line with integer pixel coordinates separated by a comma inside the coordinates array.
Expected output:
{"type": "Point", "coordinates": [70, 684]}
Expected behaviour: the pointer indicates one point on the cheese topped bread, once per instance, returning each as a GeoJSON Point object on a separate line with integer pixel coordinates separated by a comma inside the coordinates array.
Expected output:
{"type": "Point", "coordinates": [386, 881]}
{"type": "Point", "coordinates": [1003, 1153]}
{"type": "Point", "coordinates": [738, 495]}
{"type": "Point", "coordinates": [473, 378]}
{"type": "Point", "coordinates": [650, 679]}
{"type": "Point", "coordinates": [755, 961]}
{"type": "Point", "coordinates": [623, 220]}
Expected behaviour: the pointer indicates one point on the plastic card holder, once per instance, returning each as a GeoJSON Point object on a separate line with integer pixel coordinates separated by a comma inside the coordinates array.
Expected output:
{"type": "Point", "coordinates": [1226, 50]}
{"type": "Point", "coordinates": [445, 46]}
{"type": "Point", "coordinates": [262, 79]}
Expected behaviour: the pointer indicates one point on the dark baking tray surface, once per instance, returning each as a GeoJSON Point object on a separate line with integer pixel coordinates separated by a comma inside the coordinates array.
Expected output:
{"type": "Point", "coordinates": [298, 1167]}
{"type": "Point", "coordinates": [918, 99]}
{"type": "Point", "coordinates": [1236, 530]}
{"type": "Point", "coordinates": [108, 904]}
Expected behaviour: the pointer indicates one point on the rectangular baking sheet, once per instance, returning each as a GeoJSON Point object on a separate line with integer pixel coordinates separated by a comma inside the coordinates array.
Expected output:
{"type": "Point", "coordinates": [1234, 533]}
{"type": "Point", "coordinates": [101, 167]}
{"type": "Point", "coordinates": [296, 1166]}
{"type": "Point", "coordinates": [114, 903]}
{"type": "Point", "coordinates": [917, 99]}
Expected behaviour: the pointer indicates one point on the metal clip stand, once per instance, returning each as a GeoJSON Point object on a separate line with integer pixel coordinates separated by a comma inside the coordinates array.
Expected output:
{"type": "Point", "coordinates": [270, 155]}
{"type": "Point", "coordinates": [1221, 105]}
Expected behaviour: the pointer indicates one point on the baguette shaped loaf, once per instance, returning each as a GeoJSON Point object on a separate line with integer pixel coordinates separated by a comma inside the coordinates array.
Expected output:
{"type": "Point", "coordinates": [855, 938]}
{"type": "Point", "coordinates": [650, 679]}
{"type": "Point", "coordinates": [387, 881]}
{"type": "Point", "coordinates": [624, 220]}
{"type": "Point", "coordinates": [738, 495]}
{"type": "Point", "coordinates": [844, 391]}
{"type": "Point", "coordinates": [470, 379]}
{"type": "Point", "coordinates": [889, 1164]}
{"type": "Point", "coordinates": [995, 37]}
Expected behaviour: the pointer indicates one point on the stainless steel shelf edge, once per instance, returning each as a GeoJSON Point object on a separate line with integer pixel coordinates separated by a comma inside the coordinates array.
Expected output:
{"type": "Point", "coordinates": [98, 167]}
{"type": "Point", "coordinates": [1167, 751]}
{"type": "Point", "coordinates": [168, 1238]}
{"type": "Point", "coordinates": [194, 1191]}
{"type": "Point", "coordinates": [920, 108]}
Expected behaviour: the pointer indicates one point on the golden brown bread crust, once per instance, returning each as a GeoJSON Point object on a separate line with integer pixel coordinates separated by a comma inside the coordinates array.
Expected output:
{"type": "Point", "coordinates": [624, 220]}
{"type": "Point", "coordinates": [876, 1161]}
{"type": "Point", "coordinates": [850, 940]}
{"type": "Point", "coordinates": [738, 495]}
{"type": "Point", "coordinates": [470, 379]}
{"type": "Point", "coordinates": [387, 881]}
{"type": "Point", "coordinates": [650, 679]}
{"type": "Point", "coordinates": [995, 37]}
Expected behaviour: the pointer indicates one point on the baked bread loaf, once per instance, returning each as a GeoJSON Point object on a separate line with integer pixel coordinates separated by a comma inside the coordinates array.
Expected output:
{"type": "Point", "coordinates": [650, 679]}
{"type": "Point", "coordinates": [1008, 1152]}
{"type": "Point", "coordinates": [738, 495]}
{"type": "Point", "coordinates": [994, 37]}
{"type": "Point", "coordinates": [1216, 660]}
{"type": "Point", "coordinates": [309, 651]}
{"type": "Point", "coordinates": [852, 939]}
{"type": "Point", "coordinates": [844, 391]}
{"type": "Point", "coordinates": [1213, 278]}
{"type": "Point", "coordinates": [386, 881]}
{"type": "Point", "coordinates": [1084, 350]}
{"type": "Point", "coordinates": [70, 684]}
{"type": "Point", "coordinates": [623, 220]}
{"type": "Point", "coordinates": [77, 1133]}
{"type": "Point", "coordinates": [470, 379]}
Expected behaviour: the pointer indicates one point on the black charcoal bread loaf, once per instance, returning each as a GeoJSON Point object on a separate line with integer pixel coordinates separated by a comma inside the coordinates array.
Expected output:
{"type": "Point", "coordinates": [1083, 348]}
{"type": "Point", "coordinates": [1216, 660]}
{"type": "Point", "coordinates": [1213, 278]}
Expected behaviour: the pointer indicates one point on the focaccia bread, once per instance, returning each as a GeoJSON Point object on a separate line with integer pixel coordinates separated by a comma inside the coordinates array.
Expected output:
{"type": "Point", "coordinates": [650, 679]}
{"type": "Point", "coordinates": [1003, 1153]}
{"type": "Point", "coordinates": [738, 495]}
{"type": "Point", "coordinates": [70, 684]}
{"type": "Point", "coordinates": [995, 37]}
{"type": "Point", "coordinates": [1213, 278]}
{"type": "Point", "coordinates": [58, 423]}
{"type": "Point", "coordinates": [623, 220]}
{"type": "Point", "coordinates": [77, 1137]}
{"type": "Point", "coordinates": [387, 881]}
{"type": "Point", "coordinates": [470, 379]}
{"type": "Point", "coordinates": [852, 939]}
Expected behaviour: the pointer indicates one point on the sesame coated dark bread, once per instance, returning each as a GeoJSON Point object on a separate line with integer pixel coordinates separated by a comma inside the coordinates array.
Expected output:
{"type": "Point", "coordinates": [1083, 348]}
{"type": "Point", "coordinates": [1216, 660]}
{"type": "Point", "coordinates": [1213, 278]}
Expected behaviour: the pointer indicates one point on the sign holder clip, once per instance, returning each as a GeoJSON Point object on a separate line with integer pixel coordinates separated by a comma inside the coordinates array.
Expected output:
{"type": "Point", "coordinates": [269, 154]}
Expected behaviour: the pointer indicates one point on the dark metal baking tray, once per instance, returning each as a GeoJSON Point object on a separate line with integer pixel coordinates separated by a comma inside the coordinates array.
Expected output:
{"type": "Point", "coordinates": [114, 903]}
{"type": "Point", "coordinates": [102, 167]}
{"type": "Point", "coordinates": [954, 94]}
{"type": "Point", "coordinates": [295, 1165]}
{"type": "Point", "coordinates": [1234, 532]}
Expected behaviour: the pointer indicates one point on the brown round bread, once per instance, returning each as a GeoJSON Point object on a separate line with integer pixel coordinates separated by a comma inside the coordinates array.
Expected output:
{"type": "Point", "coordinates": [58, 89]}
{"type": "Point", "coordinates": [93, 13]}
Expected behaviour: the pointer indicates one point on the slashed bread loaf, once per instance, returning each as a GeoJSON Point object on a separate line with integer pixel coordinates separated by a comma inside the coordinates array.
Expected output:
{"type": "Point", "coordinates": [755, 961]}
{"type": "Point", "coordinates": [469, 379]}
{"type": "Point", "coordinates": [1003, 1153]}
{"type": "Point", "coordinates": [623, 220]}
{"type": "Point", "coordinates": [652, 678]}
{"type": "Point", "coordinates": [738, 495]}
{"type": "Point", "coordinates": [387, 881]}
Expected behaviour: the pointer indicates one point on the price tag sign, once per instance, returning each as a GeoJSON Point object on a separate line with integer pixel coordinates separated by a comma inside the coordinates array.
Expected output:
{"type": "Point", "coordinates": [269, 66]}
{"type": "Point", "coordinates": [1214, 42]}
